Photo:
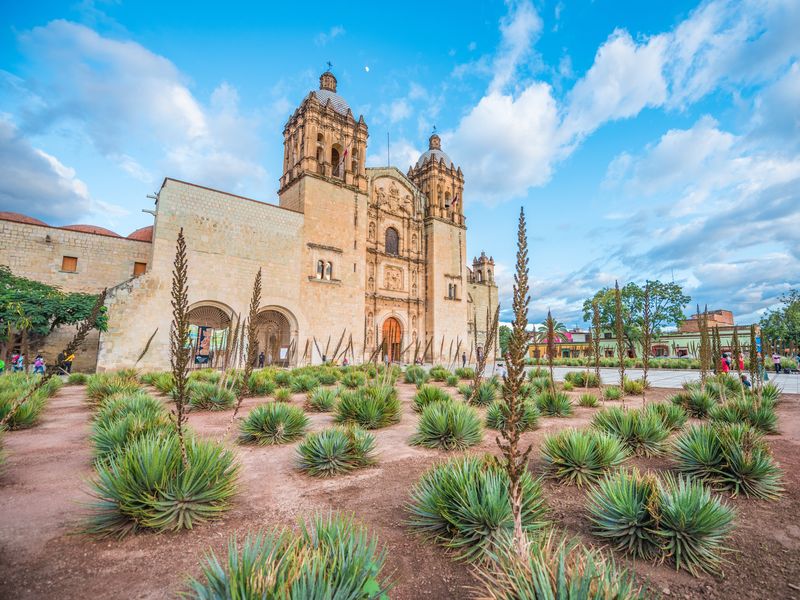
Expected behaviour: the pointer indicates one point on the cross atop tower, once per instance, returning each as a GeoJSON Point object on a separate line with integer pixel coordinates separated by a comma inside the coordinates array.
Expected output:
{"type": "Point", "coordinates": [330, 65]}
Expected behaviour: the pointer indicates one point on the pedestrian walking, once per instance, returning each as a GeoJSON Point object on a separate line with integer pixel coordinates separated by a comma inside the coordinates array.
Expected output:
{"type": "Point", "coordinates": [14, 359]}
{"type": "Point", "coordinates": [776, 361]}
{"type": "Point", "coordinates": [68, 363]}
{"type": "Point", "coordinates": [19, 365]}
{"type": "Point", "coordinates": [464, 359]}
{"type": "Point", "coordinates": [726, 368]}
{"type": "Point", "coordinates": [38, 365]}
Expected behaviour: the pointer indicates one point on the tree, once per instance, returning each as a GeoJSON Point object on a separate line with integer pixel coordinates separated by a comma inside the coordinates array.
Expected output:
{"type": "Point", "coordinates": [33, 310]}
{"type": "Point", "coordinates": [783, 323]}
{"type": "Point", "coordinates": [666, 308]}
{"type": "Point", "coordinates": [505, 338]}
{"type": "Point", "coordinates": [514, 459]}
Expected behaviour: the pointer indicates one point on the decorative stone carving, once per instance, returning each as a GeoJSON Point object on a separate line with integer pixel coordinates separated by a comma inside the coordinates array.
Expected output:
{"type": "Point", "coordinates": [380, 195]}
{"type": "Point", "coordinates": [393, 278]}
{"type": "Point", "coordinates": [371, 284]}
{"type": "Point", "coordinates": [372, 231]}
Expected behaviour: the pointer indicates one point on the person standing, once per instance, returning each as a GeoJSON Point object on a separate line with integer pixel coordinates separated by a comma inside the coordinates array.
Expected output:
{"type": "Point", "coordinates": [776, 361]}
{"type": "Point", "coordinates": [14, 359]}
{"type": "Point", "coordinates": [741, 362]}
{"type": "Point", "coordinates": [261, 358]}
{"type": "Point", "coordinates": [463, 359]}
{"type": "Point", "coordinates": [38, 365]}
{"type": "Point", "coordinates": [725, 366]}
{"type": "Point", "coordinates": [68, 363]}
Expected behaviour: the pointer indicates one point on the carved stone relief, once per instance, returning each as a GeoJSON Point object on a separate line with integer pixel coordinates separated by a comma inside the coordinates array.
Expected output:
{"type": "Point", "coordinates": [393, 278]}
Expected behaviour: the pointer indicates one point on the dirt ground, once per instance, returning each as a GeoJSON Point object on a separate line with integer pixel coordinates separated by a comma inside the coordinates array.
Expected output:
{"type": "Point", "coordinates": [43, 490]}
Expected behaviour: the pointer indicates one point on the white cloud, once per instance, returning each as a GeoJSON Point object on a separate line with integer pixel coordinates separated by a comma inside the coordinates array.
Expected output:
{"type": "Point", "coordinates": [122, 96]}
{"type": "Point", "coordinates": [403, 154]}
{"type": "Point", "coordinates": [324, 37]}
{"type": "Point", "coordinates": [518, 30]}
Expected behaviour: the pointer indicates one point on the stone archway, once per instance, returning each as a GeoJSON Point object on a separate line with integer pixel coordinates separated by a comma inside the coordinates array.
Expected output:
{"type": "Point", "coordinates": [209, 328]}
{"type": "Point", "coordinates": [275, 336]}
{"type": "Point", "coordinates": [392, 339]}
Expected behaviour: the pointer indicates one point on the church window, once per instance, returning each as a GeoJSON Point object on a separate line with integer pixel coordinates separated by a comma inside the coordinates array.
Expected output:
{"type": "Point", "coordinates": [480, 276]}
{"type": "Point", "coordinates": [392, 241]}
{"type": "Point", "coordinates": [329, 271]}
{"type": "Point", "coordinates": [336, 162]}
{"type": "Point", "coordinates": [455, 292]}
{"type": "Point", "coordinates": [69, 264]}
{"type": "Point", "coordinates": [320, 268]}
{"type": "Point", "coordinates": [139, 268]}
{"type": "Point", "coordinates": [489, 276]}
{"type": "Point", "coordinates": [354, 164]}
{"type": "Point", "coordinates": [447, 199]}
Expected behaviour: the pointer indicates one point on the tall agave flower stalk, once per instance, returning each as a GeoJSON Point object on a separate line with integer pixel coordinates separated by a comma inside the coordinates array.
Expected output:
{"type": "Point", "coordinates": [515, 460]}
{"type": "Point", "coordinates": [550, 327]}
{"type": "Point", "coordinates": [718, 360]}
{"type": "Point", "coordinates": [480, 363]}
{"type": "Point", "coordinates": [705, 345]}
{"type": "Point", "coordinates": [179, 341]}
{"type": "Point", "coordinates": [647, 339]}
{"type": "Point", "coordinates": [72, 346]}
{"type": "Point", "coordinates": [619, 333]}
{"type": "Point", "coordinates": [755, 367]}
{"type": "Point", "coordinates": [596, 344]}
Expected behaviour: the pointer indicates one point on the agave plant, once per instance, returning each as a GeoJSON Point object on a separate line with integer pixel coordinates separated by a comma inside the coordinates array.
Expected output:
{"type": "Point", "coordinates": [331, 557]}
{"type": "Point", "coordinates": [729, 457]}
{"type": "Point", "coordinates": [612, 392]}
{"type": "Point", "coordinates": [147, 486]}
{"type": "Point", "coordinates": [619, 509]}
{"type": "Point", "coordinates": [672, 416]}
{"type": "Point", "coordinates": [328, 376]}
{"type": "Point", "coordinates": [260, 384]}
{"type": "Point", "coordinates": [582, 379]}
{"type": "Point", "coordinates": [448, 426]}
{"type": "Point", "coordinates": [321, 399]}
{"type": "Point", "coordinates": [497, 414]}
{"type": "Point", "coordinates": [210, 396]}
{"type": "Point", "coordinates": [465, 373]}
{"type": "Point", "coordinates": [335, 451]}
{"type": "Point", "coordinates": [124, 418]}
{"type": "Point", "coordinates": [439, 373]}
{"type": "Point", "coordinates": [102, 385]}
{"type": "Point", "coordinates": [770, 392]}
{"type": "Point", "coordinates": [77, 379]}
{"type": "Point", "coordinates": [486, 394]}
{"type": "Point", "coordinates": [164, 382]}
{"type": "Point", "coordinates": [354, 379]}
{"type": "Point", "coordinates": [588, 401]}
{"type": "Point", "coordinates": [760, 415]}
{"type": "Point", "coordinates": [26, 414]}
{"type": "Point", "coordinates": [452, 381]}
{"type": "Point", "coordinates": [581, 455]}
{"type": "Point", "coordinates": [556, 571]}
{"type": "Point", "coordinates": [283, 394]}
{"type": "Point", "coordinates": [372, 407]}
{"type": "Point", "coordinates": [694, 401]}
{"type": "Point", "coordinates": [303, 383]}
{"type": "Point", "coordinates": [463, 504]}
{"type": "Point", "coordinates": [283, 379]}
{"type": "Point", "coordinates": [273, 423]}
{"type": "Point", "coordinates": [415, 374]}
{"type": "Point", "coordinates": [642, 432]}
{"type": "Point", "coordinates": [540, 384]}
{"type": "Point", "coordinates": [555, 404]}
{"type": "Point", "coordinates": [428, 394]}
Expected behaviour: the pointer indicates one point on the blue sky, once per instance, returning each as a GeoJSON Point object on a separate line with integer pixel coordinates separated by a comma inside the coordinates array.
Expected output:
{"type": "Point", "coordinates": [659, 142]}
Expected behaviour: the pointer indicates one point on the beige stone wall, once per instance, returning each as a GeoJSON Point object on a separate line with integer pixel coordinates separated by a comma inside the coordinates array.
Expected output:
{"type": "Point", "coordinates": [446, 319]}
{"type": "Point", "coordinates": [103, 261]}
{"type": "Point", "coordinates": [228, 239]}
{"type": "Point", "coordinates": [483, 299]}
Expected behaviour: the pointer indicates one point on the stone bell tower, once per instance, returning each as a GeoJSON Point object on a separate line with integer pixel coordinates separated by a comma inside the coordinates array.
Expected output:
{"type": "Point", "coordinates": [441, 181]}
{"type": "Point", "coordinates": [322, 138]}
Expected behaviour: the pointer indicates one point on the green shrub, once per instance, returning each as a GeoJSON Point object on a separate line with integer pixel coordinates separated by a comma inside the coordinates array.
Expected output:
{"type": "Point", "coordinates": [147, 486]}
{"type": "Point", "coordinates": [465, 373]}
{"type": "Point", "coordinates": [537, 373]}
{"type": "Point", "coordinates": [761, 416]}
{"type": "Point", "coordinates": [540, 384]}
{"type": "Point", "coordinates": [642, 432]}
{"type": "Point", "coordinates": [210, 396]}
{"type": "Point", "coordinates": [581, 455]}
{"type": "Point", "coordinates": [463, 504]}
{"type": "Point", "coordinates": [77, 379]}
{"type": "Point", "coordinates": [428, 394]}
{"type": "Point", "coordinates": [554, 405]}
{"type": "Point", "coordinates": [328, 376]}
{"type": "Point", "coordinates": [15, 387]}
{"type": "Point", "coordinates": [448, 426]}
{"type": "Point", "coordinates": [283, 379]}
{"type": "Point", "coordinates": [452, 380]}
{"type": "Point", "coordinates": [634, 387]}
{"type": "Point", "coordinates": [612, 392]}
{"type": "Point", "coordinates": [274, 423]}
{"type": "Point", "coordinates": [487, 393]}
{"type": "Point", "coordinates": [567, 386]}
{"type": "Point", "coordinates": [163, 382]}
{"type": "Point", "coordinates": [694, 401]}
{"type": "Point", "coordinates": [371, 407]}
{"type": "Point", "coordinates": [124, 418]}
{"type": "Point", "coordinates": [439, 373]}
{"type": "Point", "coordinates": [582, 379]}
{"type": "Point", "coordinates": [497, 414]}
{"type": "Point", "coordinates": [102, 385]}
{"type": "Point", "coordinates": [563, 571]}
{"type": "Point", "coordinates": [260, 384]}
{"type": "Point", "coordinates": [733, 458]}
{"type": "Point", "coordinates": [465, 390]}
{"type": "Point", "coordinates": [771, 393]}
{"type": "Point", "coordinates": [283, 395]}
{"type": "Point", "coordinates": [675, 518]}
{"type": "Point", "coordinates": [321, 399]}
{"type": "Point", "coordinates": [354, 379]}
{"type": "Point", "coordinates": [588, 401]}
{"type": "Point", "coordinates": [672, 416]}
{"type": "Point", "coordinates": [415, 374]}
{"type": "Point", "coordinates": [303, 383]}
{"type": "Point", "coordinates": [335, 451]}
{"type": "Point", "coordinates": [332, 557]}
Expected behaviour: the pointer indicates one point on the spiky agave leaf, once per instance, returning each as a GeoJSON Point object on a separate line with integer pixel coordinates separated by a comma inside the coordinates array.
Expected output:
{"type": "Point", "coordinates": [697, 452]}
{"type": "Point", "coordinates": [372, 407]}
{"type": "Point", "coordinates": [771, 392]}
{"type": "Point", "coordinates": [621, 507]}
{"type": "Point", "coordinates": [693, 524]}
{"type": "Point", "coordinates": [322, 399]}
{"type": "Point", "coordinates": [335, 451]}
{"type": "Point", "coordinates": [463, 504]}
{"type": "Point", "coordinates": [487, 393]}
{"type": "Point", "coordinates": [448, 426]}
{"type": "Point", "coordinates": [563, 570]}
{"type": "Point", "coordinates": [428, 394]}
{"type": "Point", "coordinates": [303, 383]}
{"type": "Point", "coordinates": [555, 404]}
{"type": "Point", "coordinates": [581, 455]}
{"type": "Point", "coordinates": [497, 415]}
{"type": "Point", "coordinates": [210, 396]}
{"type": "Point", "coordinates": [147, 486]}
{"type": "Point", "coordinates": [274, 423]}
{"type": "Point", "coordinates": [588, 401]}
{"type": "Point", "coordinates": [760, 415]}
{"type": "Point", "coordinates": [672, 416]}
{"type": "Point", "coordinates": [612, 393]}
{"type": "Point", "coordinates": [695, 401]}
{"type": "Point", "coordinates": [748, 466]}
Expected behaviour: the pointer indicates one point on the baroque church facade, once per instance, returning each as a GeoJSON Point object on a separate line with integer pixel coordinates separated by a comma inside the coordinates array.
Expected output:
{"type": "Point", "coordinates": [357, 262]}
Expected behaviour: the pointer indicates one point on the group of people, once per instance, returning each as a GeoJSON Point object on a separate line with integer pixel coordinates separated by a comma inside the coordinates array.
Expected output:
{"type": "Point", "coordinates": [776, 361]}
{"type": "Point", "coordinates": [17, 363]}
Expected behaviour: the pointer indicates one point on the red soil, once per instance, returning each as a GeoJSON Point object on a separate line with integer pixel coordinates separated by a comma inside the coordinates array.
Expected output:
{"type": "Point", "coordinates": [44, 484]}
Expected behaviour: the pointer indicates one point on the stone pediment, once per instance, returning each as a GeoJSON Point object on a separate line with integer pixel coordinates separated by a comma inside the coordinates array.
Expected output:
{"type": "Point", "coordinates": [394, 193]}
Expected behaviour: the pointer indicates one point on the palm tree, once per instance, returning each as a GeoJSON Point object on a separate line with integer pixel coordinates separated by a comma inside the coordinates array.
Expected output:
{"type": "Point", "coordinates": [552, 333]}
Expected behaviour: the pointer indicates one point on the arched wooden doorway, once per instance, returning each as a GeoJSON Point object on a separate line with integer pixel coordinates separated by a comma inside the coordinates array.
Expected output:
{"type": "Point", "coordinates": [392, 336]}
{"type": "Point", "coordinates": [274, 337]}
